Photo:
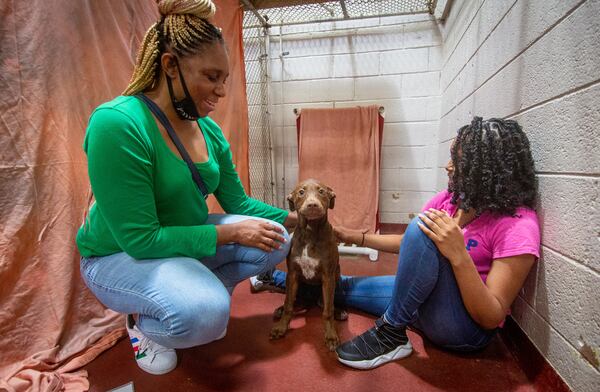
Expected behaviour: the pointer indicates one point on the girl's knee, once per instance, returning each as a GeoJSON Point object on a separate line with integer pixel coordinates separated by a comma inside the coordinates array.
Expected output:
{"type": "Point", "coordinates": [413, 227]}
{"type": "Point", "coordinates": [414, 232]}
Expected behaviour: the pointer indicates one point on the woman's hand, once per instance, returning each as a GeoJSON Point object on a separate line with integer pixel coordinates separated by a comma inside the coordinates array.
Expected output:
{"type": "Point", "coordinates": [445, 233]}
{"type": "Point", "coordinates": [252, 232]}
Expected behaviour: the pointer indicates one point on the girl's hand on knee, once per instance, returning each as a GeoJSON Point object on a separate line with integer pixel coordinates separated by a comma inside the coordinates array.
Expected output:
{"type": "Point", "coordinates": [444, 232]}
{"type": "Point", "coordinates": [259, 234]}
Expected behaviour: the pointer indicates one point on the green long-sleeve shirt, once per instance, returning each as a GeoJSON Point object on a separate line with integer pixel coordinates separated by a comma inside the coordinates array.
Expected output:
{"type": "Point", "coordinates": [147, 203]}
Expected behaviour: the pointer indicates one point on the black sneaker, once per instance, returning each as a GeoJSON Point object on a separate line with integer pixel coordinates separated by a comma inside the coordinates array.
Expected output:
{"type": "Point", "coordinates": [381, 344]}
{"type": "Point", "coordinates": [264, 282]}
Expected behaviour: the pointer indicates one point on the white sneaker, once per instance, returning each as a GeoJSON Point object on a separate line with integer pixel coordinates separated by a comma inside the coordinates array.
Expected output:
{"type": "Point", "coordinates": [150, 356]}
{"type": "Point", "coordinates": [264, 282]}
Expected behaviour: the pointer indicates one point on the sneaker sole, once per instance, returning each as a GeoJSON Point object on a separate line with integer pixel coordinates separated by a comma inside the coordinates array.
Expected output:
{"type": "Point", "coordinates": [399, 353]}
{"type": "Point", "coordinates": [159, 372]}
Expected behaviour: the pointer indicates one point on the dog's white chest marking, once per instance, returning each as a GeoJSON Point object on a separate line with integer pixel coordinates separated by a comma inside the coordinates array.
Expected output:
{"type": "Point", "coordinates": [307, 264]}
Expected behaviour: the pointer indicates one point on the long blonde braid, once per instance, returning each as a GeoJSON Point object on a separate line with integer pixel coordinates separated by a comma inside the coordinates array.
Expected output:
{"type": "Point", "coordinates": [183, 27]}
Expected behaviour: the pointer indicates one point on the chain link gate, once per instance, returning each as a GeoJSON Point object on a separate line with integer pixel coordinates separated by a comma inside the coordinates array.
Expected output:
{"type": "Point", "coordinates": [260, 148]}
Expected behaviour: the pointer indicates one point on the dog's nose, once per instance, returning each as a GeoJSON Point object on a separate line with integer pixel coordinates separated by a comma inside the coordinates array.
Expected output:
{"type": "Point", "coordinates": [312, 204]}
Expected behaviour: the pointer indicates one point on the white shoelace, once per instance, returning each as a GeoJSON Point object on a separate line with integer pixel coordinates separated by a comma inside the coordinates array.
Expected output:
{"type": "Point", "coordinates": [150, 347]}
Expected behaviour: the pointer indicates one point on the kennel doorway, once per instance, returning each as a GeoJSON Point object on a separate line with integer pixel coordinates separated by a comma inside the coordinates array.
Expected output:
{"type": "Point", "coordinates": [264, 52]}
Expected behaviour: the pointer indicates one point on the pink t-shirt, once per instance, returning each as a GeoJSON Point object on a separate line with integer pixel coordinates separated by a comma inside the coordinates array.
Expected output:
{"type": "Point", "coordinates": [490, 236]}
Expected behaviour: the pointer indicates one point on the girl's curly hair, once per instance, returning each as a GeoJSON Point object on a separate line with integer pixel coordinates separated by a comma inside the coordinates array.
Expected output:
{"type": "Point", "coordinates": [493, 167]}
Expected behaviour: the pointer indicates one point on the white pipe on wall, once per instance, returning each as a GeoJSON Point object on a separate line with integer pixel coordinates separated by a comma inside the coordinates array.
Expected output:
{"type": "Point", "coordinates": [357, 250]}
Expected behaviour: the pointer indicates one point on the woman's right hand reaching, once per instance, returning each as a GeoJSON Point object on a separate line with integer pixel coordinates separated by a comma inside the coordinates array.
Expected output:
{"type": "Point", "coordinates": [252, 232]}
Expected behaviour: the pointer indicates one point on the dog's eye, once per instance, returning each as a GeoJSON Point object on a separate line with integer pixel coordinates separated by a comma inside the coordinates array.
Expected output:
{"type": "Point", "coordinates": [301, 192]}
{"type": "Point", "coordinates": [321, 191]}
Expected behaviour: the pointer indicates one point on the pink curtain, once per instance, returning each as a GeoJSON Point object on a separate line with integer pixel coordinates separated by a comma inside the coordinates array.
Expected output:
{"type": "Point", "coordinates": [58, 60]}
{"type": "Point", "coordinates": [232, 112]}
{"type": "Point", "coordinates": [341, 148]}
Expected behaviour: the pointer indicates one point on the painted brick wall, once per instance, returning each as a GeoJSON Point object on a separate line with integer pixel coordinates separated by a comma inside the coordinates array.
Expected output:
{"type": "Point", "coordinates": [392, 62]}
{"type": "Point", "coordinates": [538, 61]}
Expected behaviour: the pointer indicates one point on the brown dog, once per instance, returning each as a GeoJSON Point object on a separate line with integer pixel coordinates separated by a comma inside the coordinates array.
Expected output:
{"type": "Point", "coordinates": [314, 257]}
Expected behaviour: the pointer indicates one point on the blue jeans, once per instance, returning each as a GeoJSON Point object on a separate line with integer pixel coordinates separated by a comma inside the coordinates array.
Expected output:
{"type": "Point", "coordinates": [180, 301]}
{"type": "Point", "coordinates": [423, 294]}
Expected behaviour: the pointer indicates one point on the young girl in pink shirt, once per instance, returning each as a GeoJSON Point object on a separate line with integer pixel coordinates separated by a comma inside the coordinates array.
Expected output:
{"type": "Point", "coordinates": [461, 263]}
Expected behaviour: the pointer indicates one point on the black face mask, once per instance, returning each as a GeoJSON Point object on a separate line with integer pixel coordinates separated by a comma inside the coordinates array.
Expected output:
{"type": "Point", "coordinates": [185, 108]}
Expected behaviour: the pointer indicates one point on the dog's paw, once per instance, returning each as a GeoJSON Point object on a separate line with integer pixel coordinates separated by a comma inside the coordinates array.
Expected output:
{"type": "Point", "coordinates": [278, 331]}
{"type": "Point", "coordinates": [332, 342]}
{"type": "Point", "coordinates": [277, 313]}
{"type": "Point", "coordinates": [331, 338]}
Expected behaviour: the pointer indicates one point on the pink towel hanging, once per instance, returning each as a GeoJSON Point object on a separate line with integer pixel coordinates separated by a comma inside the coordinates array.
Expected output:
{"type": "Point", "coordinates": [342, 148]}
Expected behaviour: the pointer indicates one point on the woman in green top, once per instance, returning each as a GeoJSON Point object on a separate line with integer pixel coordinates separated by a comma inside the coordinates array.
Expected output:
{"type": "Point", "coordinates": [149, 247]}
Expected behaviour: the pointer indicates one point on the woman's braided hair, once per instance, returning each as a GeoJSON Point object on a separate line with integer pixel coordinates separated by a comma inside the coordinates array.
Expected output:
{"type": "Point", "coordinates": [493, 167]}
{"type": "Point", "coordinates": [183, 28]}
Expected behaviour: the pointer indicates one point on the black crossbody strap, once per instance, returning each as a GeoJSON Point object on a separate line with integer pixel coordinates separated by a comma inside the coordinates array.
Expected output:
{"type": "Point", "coordinates": [184, 154]}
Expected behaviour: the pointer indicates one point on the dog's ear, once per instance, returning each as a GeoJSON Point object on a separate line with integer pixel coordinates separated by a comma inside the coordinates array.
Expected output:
{"type": "Point", "coordinates": [290, 199]}
{"type": "Point", "coordinates": [331, 197]}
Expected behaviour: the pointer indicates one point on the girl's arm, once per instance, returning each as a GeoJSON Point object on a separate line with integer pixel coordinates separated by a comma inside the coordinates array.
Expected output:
{"type": "Point", "coordinates": [488, 303]}
{"type": "Point", "coordinates": [383, 242]}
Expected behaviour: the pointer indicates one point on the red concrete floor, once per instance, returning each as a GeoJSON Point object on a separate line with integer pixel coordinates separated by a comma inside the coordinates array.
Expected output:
{"type": "Point", "coordinates": [245, 360]}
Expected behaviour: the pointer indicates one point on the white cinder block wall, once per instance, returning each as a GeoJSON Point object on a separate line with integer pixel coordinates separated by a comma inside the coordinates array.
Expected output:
{"type": "Point", "coordinates": [392, 62]}
{"type": "Point", "coordinates": [538, 61]}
